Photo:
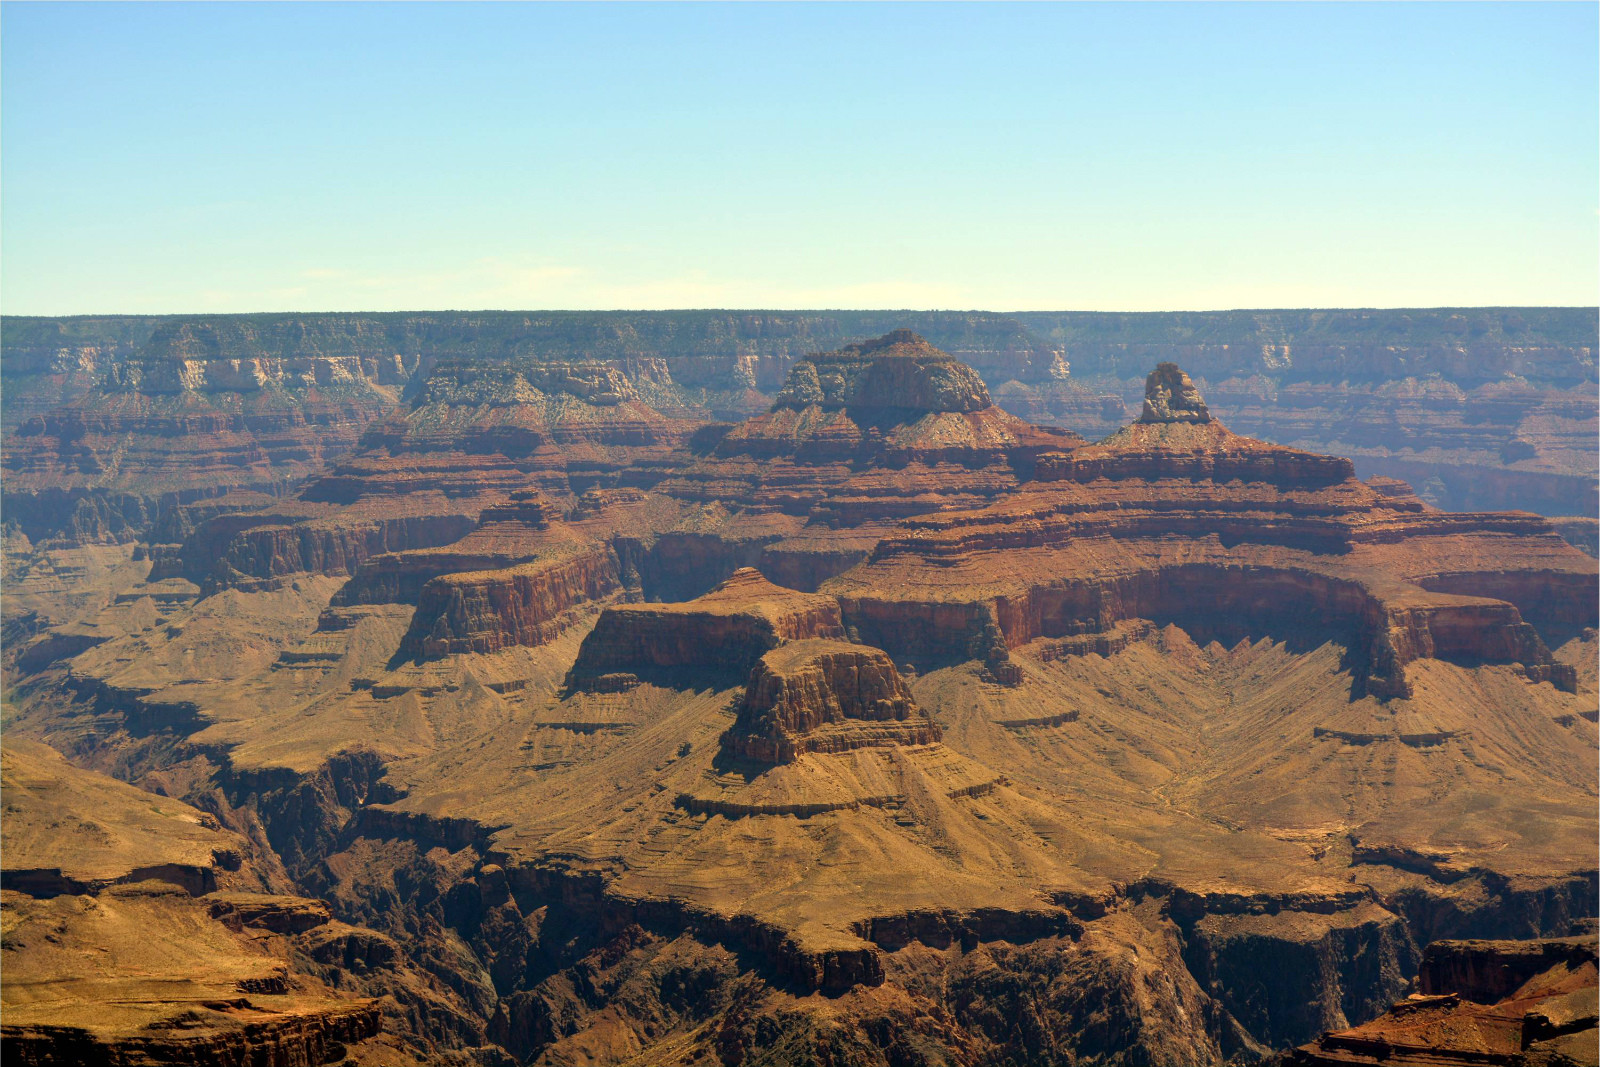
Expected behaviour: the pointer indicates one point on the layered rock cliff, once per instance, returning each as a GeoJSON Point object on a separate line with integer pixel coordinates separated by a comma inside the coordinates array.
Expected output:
{"type": "Point", "coordinates": [529, 604]}
{"type": "Point", "coordinates": [824, 696]}
{"type": "Point", "coordinates": [1062, 748]}
{"type": "Point", "coordinates": [725, 631]}
{"type": "Point", "coordinates": [1477, 407]}
{"type": "Point", "coordinates": [1175, 517]}
{"type": "Point", "coordinates": [179, 421]}
{"type": "Point", "coordinates": [1488, 1002]}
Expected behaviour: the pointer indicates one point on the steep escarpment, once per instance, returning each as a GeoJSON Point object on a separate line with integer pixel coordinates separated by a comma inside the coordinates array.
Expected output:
{"type": "Point", "coordinates": [178, 422]}
{"type": "Point", "coordinates": [1013, 747]}
{"type": "Point", "coordinates": [725, 631]}
{"type": "Point", "coordinates": [1175, 517]}
{"type": "Point", "coordinates": [824, 696]}
{"type": "Point", "coordinates": [1490, 1002]}
{"type": "Point", "coordinates": [50, 361]}
{"type": "Point", "coordinates": [529, 604]}
{"type": "Point", "coordinates": [1479, 408]}
{"type": "Point", "coordinates": [893, 400]}
{"type": "Point", "coordinates": [858, 439]}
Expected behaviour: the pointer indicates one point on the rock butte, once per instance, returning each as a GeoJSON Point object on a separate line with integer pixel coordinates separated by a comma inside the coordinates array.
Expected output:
{"type": "Point", "coordinates": [123, 428]}
{"type": "Point", "coordinates": [882, 726]}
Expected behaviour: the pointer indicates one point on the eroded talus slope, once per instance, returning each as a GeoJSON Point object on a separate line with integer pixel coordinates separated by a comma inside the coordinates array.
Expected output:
{"type": "Point", "coordinates": [1039, 750]}
{"type": "Point", "coordinates": [120, 948]}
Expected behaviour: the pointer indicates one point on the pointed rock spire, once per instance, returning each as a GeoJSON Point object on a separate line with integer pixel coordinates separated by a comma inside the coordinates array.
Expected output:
{"type": "Point", "coordinates": [1169, 396]}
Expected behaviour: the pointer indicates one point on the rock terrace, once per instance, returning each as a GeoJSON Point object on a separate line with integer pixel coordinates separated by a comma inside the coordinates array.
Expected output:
{"type": "Point", "coordinates": [607, 733]}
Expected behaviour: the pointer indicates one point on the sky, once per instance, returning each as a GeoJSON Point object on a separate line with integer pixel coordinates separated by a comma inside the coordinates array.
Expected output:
{"type": "Point", "coordinates": [201, 157]}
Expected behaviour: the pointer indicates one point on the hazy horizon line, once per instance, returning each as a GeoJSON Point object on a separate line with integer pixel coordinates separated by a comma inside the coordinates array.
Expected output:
{"type": "Point", "coordinates": [752, 309]}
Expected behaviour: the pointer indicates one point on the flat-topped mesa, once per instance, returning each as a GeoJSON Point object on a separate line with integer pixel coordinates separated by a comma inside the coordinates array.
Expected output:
{"type": "Point", "coordinates": [899, 370]}
{"type": "Point", "coordinates": [721, 634]}
{"type": "Point", "coordinates": [1169, 396]}
{"type": "Point", "coordinates": [530, 603]}
{"type": "Point", "coordinates": [527, 507]}
{"type": "Point", "coordinates": [825, 696]}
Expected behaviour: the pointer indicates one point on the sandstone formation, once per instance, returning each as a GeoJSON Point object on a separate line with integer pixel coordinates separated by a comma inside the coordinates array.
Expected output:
{"type": "Point", "coordinates": [178, 422]}
{"type": "Point", "coordinates": [49, 362]}
{"type": "Point", "coordinates": [1175, 517]}
{"type": "Point", "coordinates": [725, 631]}
{"type": "Point", "coordinates": [824, 696]}
{"type": "Point", "coordinates": [485, 611]}
{"type": "Point", "coordinates": [1479, 408]}
{"type": "Point", "coordinates": [1489, 1002]}
{"type": "Point", "coordinates": [600, 732]}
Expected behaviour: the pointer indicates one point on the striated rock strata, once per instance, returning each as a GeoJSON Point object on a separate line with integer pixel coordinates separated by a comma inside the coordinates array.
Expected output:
{"type": "Point", "coordinates": [726, 631]}
{"type": "Point", "coordinates": [1018, 748]}
{"type": "Point", "coordinates": [824, 696]}
{"type": "Point", "coordinates": [1485, 1002]}
{"type": "Point", "coordinates": [1172, 518]}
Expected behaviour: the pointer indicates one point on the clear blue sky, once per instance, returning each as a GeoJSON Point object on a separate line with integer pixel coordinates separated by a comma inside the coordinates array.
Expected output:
{"type": "Point", "coordinates": [248, 157]}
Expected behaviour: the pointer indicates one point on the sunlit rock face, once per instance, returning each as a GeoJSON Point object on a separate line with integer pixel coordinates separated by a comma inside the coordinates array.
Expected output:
{"type": "Point", "coordinates": [1169, 396]}
{"type": "Point", "coordinates": [606, 733]}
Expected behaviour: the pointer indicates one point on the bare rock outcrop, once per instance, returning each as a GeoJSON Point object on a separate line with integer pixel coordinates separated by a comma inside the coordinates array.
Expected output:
{"type": "Point", "coordinates": [824, 696]}
{"type": "Point", "coordinates": [1172, 518]}
{"type": "Point", "coordinates": [1169, 396]}
{"type": "Point", "coordinates": [1509, 1003]}
{"type": "Point", "coordinates": [529, 604]}
{"type": "Point", "coordinates": [724, 632]}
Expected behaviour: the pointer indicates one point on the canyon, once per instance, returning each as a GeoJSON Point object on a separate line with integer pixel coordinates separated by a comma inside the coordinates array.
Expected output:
{"type": "Point", "coordinates": [770, 687]}
{"type": "Point", "coordinates": [116, 425]}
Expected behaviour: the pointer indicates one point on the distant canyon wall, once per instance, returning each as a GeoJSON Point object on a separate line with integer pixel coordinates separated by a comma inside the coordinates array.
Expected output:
{"type": "Point", "coordinates": [112, 421]}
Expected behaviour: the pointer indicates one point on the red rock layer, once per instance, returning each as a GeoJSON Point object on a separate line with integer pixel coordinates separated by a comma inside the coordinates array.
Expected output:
{"type": "Point", "coordinates": [174, 425]}
{"type": "Point", "coordinates": [495, 426]}
{"type": "Point", "coordinates": [724, 632]}
{"type": "Point", "coordinates": [245, 548]}
{"type": "Point", "coordinates": [824, 696]}
{"type": "Point", "coordinates": [485, 611]}
{"type": "Point", "coordinates": [265, 1036]}
{"type": "Point", "coordinates": [875, 431]}
{"type": "Point", "coordinates": [1481, 1002]}
{"type": "Point", "coordinates": [1176, 518]}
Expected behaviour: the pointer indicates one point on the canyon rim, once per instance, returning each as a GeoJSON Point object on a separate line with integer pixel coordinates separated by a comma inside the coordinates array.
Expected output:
{"type": "Point", "coordinates": [800, 535]}
{"type": "Point", "coordinates": [672, 689]}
